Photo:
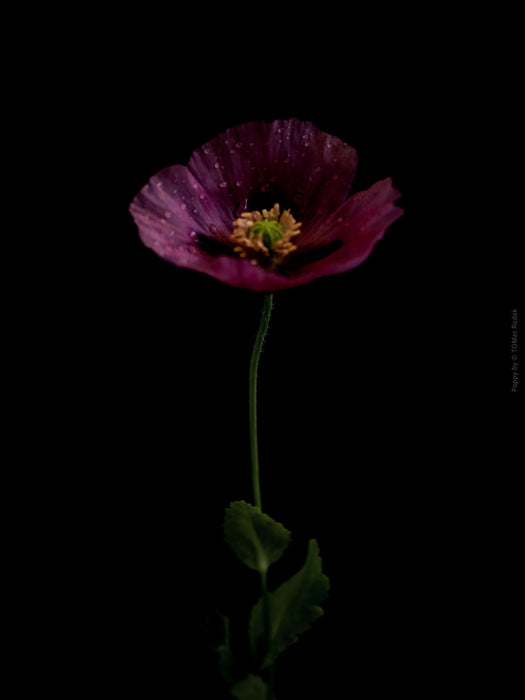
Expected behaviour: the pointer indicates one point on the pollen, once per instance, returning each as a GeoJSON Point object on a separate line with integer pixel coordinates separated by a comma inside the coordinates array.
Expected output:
{"type": "Point", "coordinates": [265, 237]}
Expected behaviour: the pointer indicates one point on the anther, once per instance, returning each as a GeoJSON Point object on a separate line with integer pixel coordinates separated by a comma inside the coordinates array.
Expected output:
{"type": "Point", "coordinates": [265, 237]}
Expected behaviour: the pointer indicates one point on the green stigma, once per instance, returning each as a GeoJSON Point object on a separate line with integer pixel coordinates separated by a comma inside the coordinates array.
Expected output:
{"type": "Point", "coordinates": [270, 231]}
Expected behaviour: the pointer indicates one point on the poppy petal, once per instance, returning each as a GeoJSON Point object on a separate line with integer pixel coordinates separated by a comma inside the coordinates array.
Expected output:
{"type": "Point", "coordinates": [289, 161]}
{"type": "Point", "coordinates": [350, 233]}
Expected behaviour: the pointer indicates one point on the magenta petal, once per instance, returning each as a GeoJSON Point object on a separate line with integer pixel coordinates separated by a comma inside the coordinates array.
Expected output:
{"type": "Point", "coordinates": [354, 228]}
{"type": "Point", "coordinates": [173, 210]}
{"type": "Point", "coordinates": [293, 162]}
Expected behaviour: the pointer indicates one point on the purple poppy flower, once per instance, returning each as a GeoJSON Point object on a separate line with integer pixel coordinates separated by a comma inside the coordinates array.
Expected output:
{"type": "Point", "coordinates": [265, 207]}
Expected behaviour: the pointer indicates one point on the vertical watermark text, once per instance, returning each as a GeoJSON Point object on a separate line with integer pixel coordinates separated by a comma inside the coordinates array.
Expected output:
{"type": "Point", "coordinates": [514, 358]}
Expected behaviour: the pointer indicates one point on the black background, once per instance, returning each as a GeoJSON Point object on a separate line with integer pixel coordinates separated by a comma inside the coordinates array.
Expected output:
{"type": "Point", "coordinates": [378, 388]}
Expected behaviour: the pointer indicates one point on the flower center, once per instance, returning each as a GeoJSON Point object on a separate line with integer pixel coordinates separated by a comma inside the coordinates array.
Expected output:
{"type": "Point", "coordinates": [265, 237]}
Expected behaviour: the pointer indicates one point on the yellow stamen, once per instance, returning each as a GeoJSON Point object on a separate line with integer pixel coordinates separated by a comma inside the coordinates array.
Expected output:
{"type": "Point", "coordinates": [271, 245]}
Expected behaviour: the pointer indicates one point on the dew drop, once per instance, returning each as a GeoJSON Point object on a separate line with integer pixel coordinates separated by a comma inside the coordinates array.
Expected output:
{"type": "Point", "coordinates": [265, 187]}
{"type": "Point", "coordinates": [201, 197]}
{"type": "Point", "coordinates": [194, 235]}
{"type": "Point", "coordinates": [340, 219]}
{"type": "Point", "coordinates": [238, 183]}
{"type": "Point", "coordinates": [206, 151]}
{"type": "Point", "coordinates": [216, 164]}
{"type": "Point", "coordinates": [167, 214]}
{"type": "Point", "coordinates": [183, 206]}
{"type": "Point", "coordinates": [223, 184]}
{"type": "Point", "coordinates": [194, 211]}
{"type": "Point", "coordinates": [238, 144]}
{"type": "Point", "coordinates": [213, 229]}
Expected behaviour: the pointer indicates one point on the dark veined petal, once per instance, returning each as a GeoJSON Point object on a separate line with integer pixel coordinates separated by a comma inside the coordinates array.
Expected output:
{"type": "Point", "coordinates": [180, 220]}
{"type": "Point", "coordinates": [289, 161]}
{"type": "Point", "coordinates": [349, 234]}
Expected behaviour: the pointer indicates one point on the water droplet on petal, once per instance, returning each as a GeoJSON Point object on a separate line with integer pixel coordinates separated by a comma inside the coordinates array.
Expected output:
{"type": "Point", "coordinates": [201, 197]}
{"type": "Point", "coordinates": [194, 235]}
{"type": "Point", "coordinates": [265, 187]}
{"type": "Point", "coordinates": [206, 151]}
{"type": "Point", "coordinates": [167, 214]}
{"type": "Point", "coordinates": [183, 206]}
{"type": "Point", "coordinates": [216, 164]}
{"type": "Point", "coordinates": [223, 184]}
{"type": "Point", "coordinates": [238, 183]}
{"type": "Point", "coordinates": [238, 144]}
{"type": "Point", "coordinates": [213, 228]}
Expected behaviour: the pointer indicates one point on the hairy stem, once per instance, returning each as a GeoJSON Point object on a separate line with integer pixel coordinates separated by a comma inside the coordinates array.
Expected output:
{"type": "Point", "coordinates": [265, 320]}
{"type": "Point", "coordinates": [263, 328]}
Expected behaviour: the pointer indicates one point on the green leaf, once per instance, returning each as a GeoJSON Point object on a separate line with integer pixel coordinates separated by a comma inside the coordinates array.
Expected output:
{"type": "Point", "coordinates": [255, 538]}
{"type": "Point", "coordinates": [251, 688]}
{"type": "Point", "coordinates": [294, 606]}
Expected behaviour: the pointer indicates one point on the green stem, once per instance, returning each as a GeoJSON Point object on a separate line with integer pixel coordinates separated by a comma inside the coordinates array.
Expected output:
{"type": "Point", "coordinates": [263, 328]}
{"type": "Point", "coordinates": [268, 631]}
{"type": "Point", "coordinates": [265, 320]}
